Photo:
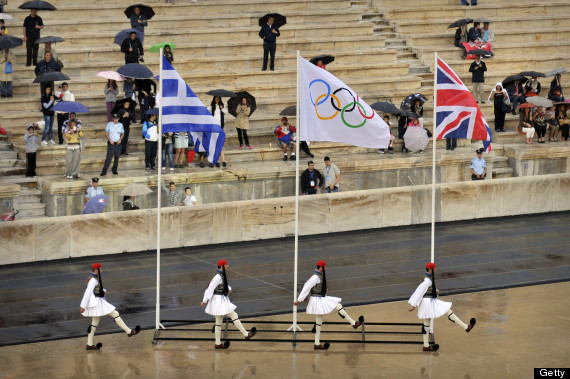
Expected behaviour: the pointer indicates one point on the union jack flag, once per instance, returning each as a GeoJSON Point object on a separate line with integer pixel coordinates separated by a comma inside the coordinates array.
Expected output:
{"type": "Point", "coordinates": [457, 113]}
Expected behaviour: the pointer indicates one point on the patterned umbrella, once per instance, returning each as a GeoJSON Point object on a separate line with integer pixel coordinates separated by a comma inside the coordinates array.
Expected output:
{"type": "Point", "coordinates": [96, 204]}
{"type": "Point", "coordinates": [409, 101]}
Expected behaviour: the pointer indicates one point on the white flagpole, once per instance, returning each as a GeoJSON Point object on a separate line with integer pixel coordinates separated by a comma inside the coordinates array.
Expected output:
{"type": "Point", "coordinates": [159, 189]}
{"type": "Point", "coordinates": [433, 159]}
{"type": "Point", "coordinates": [297, 142]}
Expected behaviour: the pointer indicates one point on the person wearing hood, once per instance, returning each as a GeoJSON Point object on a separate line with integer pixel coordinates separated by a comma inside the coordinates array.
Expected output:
{"type": "Point", "coordinates": [499, 97]}
{"type": "Point", "coordinates": [556, 94]}
{"type": "Point", "coordinates": [461, 35]}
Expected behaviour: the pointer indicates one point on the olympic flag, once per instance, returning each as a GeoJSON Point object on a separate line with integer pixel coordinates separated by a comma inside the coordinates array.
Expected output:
{"type": "Point", "coordinates": [331, 111]}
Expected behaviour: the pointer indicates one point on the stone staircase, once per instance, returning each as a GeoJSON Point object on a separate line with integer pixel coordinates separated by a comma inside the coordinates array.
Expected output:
{"type": "Point", "coordinates": [501, 168]}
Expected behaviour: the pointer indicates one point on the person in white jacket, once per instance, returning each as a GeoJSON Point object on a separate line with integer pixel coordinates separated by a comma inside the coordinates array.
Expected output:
{"type": "Point", "coordinates": [218, 304]}
{"type": "Point", "coordinates": [94, 305]}
{"type": "Point", "coordinates": [320, 304]}
{"type": "Point", "coordinates": [425, 298]}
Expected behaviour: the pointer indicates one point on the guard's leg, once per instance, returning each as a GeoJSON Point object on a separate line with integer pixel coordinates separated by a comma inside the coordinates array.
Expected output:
{"type": "Point", "coordinates": [122, 325]}
{"type": "Point", "coordinates": [218, 330]}
{"type": "Point", "coordinates": [91, 330]}
{"type": "Point", "coordinates": [456, 320]}
{"type": "Point", "coordinates": [237, 323]}
{"type": "Point", "coordinates": [342, 313]}
{"type": "Point", "coordinates": [426, 330]}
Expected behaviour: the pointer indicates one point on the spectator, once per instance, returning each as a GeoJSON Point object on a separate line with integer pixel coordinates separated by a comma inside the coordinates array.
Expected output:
{"type": "Point", "coordinates": [450, 143]}
{"type": "Point", "coordinates": [31, 29]}
{"type": "Point", "coordinates": [125, 120]}
{"type": "Point", "coordinates": [217, 110]}
{"type": "Point", "coordinates": [114, 133]}
{"type": "Point", "coordinates": [139, 22]}
{"type": "Point", "coordinates": [46, 65]}
{"type": "Point", "coordinates": [552, 123]}
{"type": "Point", "coordinates": [72, 117]}
{"type": "Point", "coordinates": [499, 96]}
{"type": "Point", "coordinates": [532, 87]}
{"type": "Point", "coordinates": [129, 203]}
{"type": "Point", "coordinates": [286, 137]}
{"type": "Point", "coordinates": [31, 139]}
{"type": "Point", "coordinates": [415, 130]}
{"type": "Point", "coordinates": [332, 176]}
{"type": "Point", "coordinates": [478, 168]}
{"type": "Point", "coordinates": [73, 152]}
{"type": "Point", "coordinates": [129, 87]}
{"type": "Point", "coordinates": [167, 147]}
{"type": "Point", "coordinates": [242, 122]}
{"type": "Point", "coordinates": [147, 89]}
{"type": "Point", "coordinates": [94, 190]}
{"type": "Point", "coordinates": [111, 91]}
{"type": "Point", "coordinates": [48, 49]}
{"type": "Point", "coordinates": [392, 138]}
{"type": "Point", "coordinates": [488, 35]}
{"type": "Point", "coordinates": [321, 65]}
{"type": "Point", "coordinates": [63, 94]}
{"type": "Point", "coordinates": [461, 35]}
{"type": "Point", "coordinates": [556, 94]}
{"type": "Point", "coordinates": [132, 47]}
{"type": "Point", "coordinates": [180, 144]}
{"type": "Point", "coordinates": [516, 94]}
{"type": "Point", "coordinates": [309, 185]}
{"type": "Point", "coordinates": [466, 2]}
{"type": "Point", "coordinates": [189, 199]}
{"type": "Point", "coordinates": [269, 34]}
{"type": "Point", "coordinates": [526, 124]}
{"type": "Point", "coordinates": [172, 197]}
{"type": "Point", "coordinates": [48, 101]}
{"type": "Point", "coordinates": [477, 70]}
{"type": "Point", "coordinates": [150, 134]}
{"type": "Point", "coordinates": [402, 127]}
{"type": "Point", "coordinates": [6, 73]}
{"type": "Point", "coordinates": [475, 33]}
{"type": "Point", "coordinates": [563, 121]}
{"type": "Point", "coordinates": [305, 147]}
{"type": "Point", "coordinates": [417, 108]}
{"type": "Point", "coordinates": [540, 125]}
{"type": "Point", "coordinates": [3, 28]}
{"type": "Point", "coordinates": [167, 51]}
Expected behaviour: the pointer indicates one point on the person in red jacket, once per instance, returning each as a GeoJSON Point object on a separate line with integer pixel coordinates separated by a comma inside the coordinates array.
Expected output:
{"type": "Point", "coordinates": [286, 137]}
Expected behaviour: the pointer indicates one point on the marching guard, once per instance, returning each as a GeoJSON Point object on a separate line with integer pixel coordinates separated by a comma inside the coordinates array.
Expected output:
{"type": "Point", "coordinates": [425, 298]}
{"type": "Point", "coordinates": [320, 304]}
{"type": "Point", "coordinates": [94, 305]}
{"type": "Point", "coordinates": [218, 304]}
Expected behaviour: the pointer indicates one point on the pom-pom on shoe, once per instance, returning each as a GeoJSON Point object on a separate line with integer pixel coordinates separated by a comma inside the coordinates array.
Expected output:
{"type": "Point", "coordinates": [432, 348]}
{"type": "Point", "coordinates": [225, 345]}
{"type": "Point", "coordinates": [135, 331]}
{"type": "Point", "coordinates": [359, 322]}
{"type": "Point", "coordinates": [323, 346]}
{"type": "Point", "coordinates": [472, 323]}
{"type": "Point", "coordinates": [252, 333]}
{"type": "Point", "coordinates": [94, 347]}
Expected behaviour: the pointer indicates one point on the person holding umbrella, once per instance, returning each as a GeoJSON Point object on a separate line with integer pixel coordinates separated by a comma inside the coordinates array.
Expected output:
{"type": "Point", "coordinates": [242, 122]}
{"type": "Point", "coordinates": [526, 122]}
{"type": "Point", "coordinates": [125, 120]}
{"type": "Point", "coordinates": [556, 93]}
{"type": "Point", "coordinates": [132, 47]}
{"type": "Point", "coordinates": [46, 65]}
{"type": "Point", "coordinates": [6, 73]}
{"type": "Point", "coordinates": [269, 33]}
{"type": "Point", "coordinates": [73, 151]}
{"type": "Point", "coordinates": [139, 22]}
{"type": "Point", "coordinates": [31, 29]}
{"type": "Point", "coordinates": [111, 91]}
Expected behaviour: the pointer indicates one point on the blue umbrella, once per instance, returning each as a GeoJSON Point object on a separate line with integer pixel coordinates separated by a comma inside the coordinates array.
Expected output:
{"type": "Point", "coordinates": [70, 106]}
{"type": "Point", "coordinates": [152, 111]}
{"type": "Point", "coordinates": [124, 34]}
{"type": "Point", "coordinates": [96, 204]}
{"type": "Point", "coordinates": [136, 71]}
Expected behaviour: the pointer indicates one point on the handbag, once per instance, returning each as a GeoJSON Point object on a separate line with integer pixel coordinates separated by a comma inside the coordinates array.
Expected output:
{"type": "Point", "coordinates": [8, 69]}
{"type": "Point", "coordinates": [506, 108]}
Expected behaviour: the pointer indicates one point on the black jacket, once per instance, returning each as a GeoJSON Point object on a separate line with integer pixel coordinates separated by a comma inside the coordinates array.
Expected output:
{"type": "Point", "coordinates": [43, 67]}
{"type": "Point", "coordinates": [511, 89]}
{"type": "Point", "coordinates": [126, 121]}
{"type": "Point", "coordinates": [306, 181]}
{"type": "Point", "coordinates": [478, 76]}
{"type": "Point", "coordinates": [266, 33]}
{"type": "Point", "coordinates": [132, 56]}
{"type": "Point", "coordinates": [145, 85]}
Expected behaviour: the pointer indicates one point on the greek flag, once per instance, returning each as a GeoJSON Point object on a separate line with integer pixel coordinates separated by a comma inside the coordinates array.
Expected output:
{"type": "Point", "coordinates": [182, 111]}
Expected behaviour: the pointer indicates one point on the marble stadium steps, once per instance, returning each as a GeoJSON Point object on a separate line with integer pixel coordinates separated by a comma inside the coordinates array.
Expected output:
{"type": "Point", "coordinates": [501, 168]}
{"type": "Point", "coordinates": [389, 4]}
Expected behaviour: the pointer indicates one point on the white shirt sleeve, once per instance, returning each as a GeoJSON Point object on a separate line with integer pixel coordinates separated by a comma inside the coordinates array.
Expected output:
{"type": "Point", "coordinates": [88, 292]}
{"type": "Point", "coordinates": [216, 280]}
{"type": "Point", "coordinates": [418, 295]}
{"type": "Point", "coordinates": [313, 281]}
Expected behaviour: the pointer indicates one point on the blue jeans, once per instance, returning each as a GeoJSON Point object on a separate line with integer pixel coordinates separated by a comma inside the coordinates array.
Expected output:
{"type": "Point", "coordinates": [48, 127]}
{"type": "Point", "coordinates": [167, 149]}
{"type": "Point", "coordinates": [6, 88]}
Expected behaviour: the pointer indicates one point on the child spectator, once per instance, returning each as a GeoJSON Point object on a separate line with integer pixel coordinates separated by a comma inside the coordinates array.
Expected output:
{"type": "Point", "coordinates": [189, 199]}
{"type": "Point", "coordinates": [172, 196]}
{"type": "Point", "coordinates": [31, 139]}
{"type": "Point", "coordinates": [392, 138]}
{"type": "Point", "coordinates": [168, 53]}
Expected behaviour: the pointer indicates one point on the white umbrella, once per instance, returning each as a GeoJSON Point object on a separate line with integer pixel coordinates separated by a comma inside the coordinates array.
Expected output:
{"type": "Point", "coordinates": [134, 189]}
{"type": "Point", "coordinates": [111, 75]}
{"type": "Point", "coordinates": [539, 101]}
{"type": "Point", "coordinates": [560, 70]}
{"type": "Point", "coordinates": [416, 138]}
{"type": "Point", "coordinates": [4, 16]}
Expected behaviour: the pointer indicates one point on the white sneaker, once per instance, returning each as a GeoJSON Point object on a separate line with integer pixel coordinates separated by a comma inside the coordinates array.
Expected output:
{"type": "Point", "coordinates": [44, 142]}
{"type": "Point", "coordinates": [171, 169]}
{"type": "Point", "coordinates": [164, 168]}
{"type": "Point", "coordinates": [51, 142]}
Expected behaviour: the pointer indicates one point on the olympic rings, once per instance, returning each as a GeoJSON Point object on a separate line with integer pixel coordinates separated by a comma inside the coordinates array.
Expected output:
{"type": "Point", "coordinates": [338, 107]}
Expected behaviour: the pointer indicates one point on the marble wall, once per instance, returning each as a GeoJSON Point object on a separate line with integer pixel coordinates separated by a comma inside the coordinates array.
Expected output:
{"type": "Point", "coordinates": [123, 232]}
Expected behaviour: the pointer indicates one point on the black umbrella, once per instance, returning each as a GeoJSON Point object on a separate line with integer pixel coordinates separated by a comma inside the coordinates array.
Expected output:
{"type": "Point", "coordinates": [289, 111]}
{"type": "Point", "coordinates": [235, 101]}
{"type": "Point", "coordinates": [409, 101]}
{"type": "Point", "coordinates": [533, 73]}
{"type": "Point", "coordinates": [10, 42]}
{"type": "Point", "coordinates": [463, 21]}
{"type": "Point", "coordinates": [512, 78]}
{"type": "Point", "coordinates": [147, 11]}
{"type": "Point", "coordinates": [402, 113]}
{"type": "Point", "coordinates": [54, 76]}
{"type": "Point", "coordinates": [50, 39]}
{"type": "Point", "coordinates": [280, 20]}
{"type": "Point", "coordinates": [480, 52]}
{"type": "Point", "coordinates": [385, 107]}
{"type": "Point", "coordinates": [124, 34]}
{"type": "Point", "coordinates": [136, 71]}
{"type": "Point", "coordinates": [221, 93]}
{"type": "Point", "coordinates": [324, 57]}
{"type": "Point", "coordinates": [39, 5]}
{"type": "Point", "coordinates": [121, 104]}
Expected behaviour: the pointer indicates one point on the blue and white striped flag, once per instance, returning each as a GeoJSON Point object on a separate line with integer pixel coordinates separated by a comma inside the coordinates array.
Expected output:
{"type": "Point", "coordinates": [182, 111]}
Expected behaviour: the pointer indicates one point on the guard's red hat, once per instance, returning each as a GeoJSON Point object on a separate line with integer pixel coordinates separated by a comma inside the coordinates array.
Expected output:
{"type": "Point", "coordinates": [430, 265]}
{"type": "Point", "coordinates": [95, 266]}
{"type": "Point", "coordinates": [321, 263]}
{"type": "Point", "coordinates": [222, 262]}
